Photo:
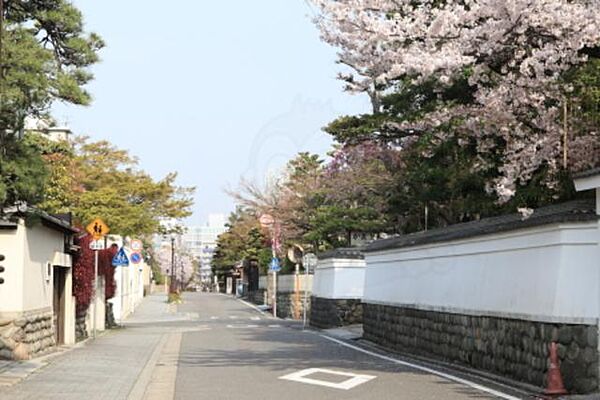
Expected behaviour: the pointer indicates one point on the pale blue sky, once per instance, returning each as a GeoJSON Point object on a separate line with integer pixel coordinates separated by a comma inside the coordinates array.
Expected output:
{"type": "Point", "coordinates": [213, 90]}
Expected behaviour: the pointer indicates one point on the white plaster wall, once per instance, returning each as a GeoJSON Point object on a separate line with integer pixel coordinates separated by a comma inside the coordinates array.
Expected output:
{"type": "Point", "coordinates": [339, 278]}
{"type": "Point", "coordinates": [69, 320]}
{"type": "Point", "coordinates": [549, 273]}
{"type": "Point", "coordinates": [287, 283]}
{"type": "Point", "coordinates": [129, 288]}
{"type": "Point", "coordinates": [28, 286]}
{"type": "Point", "coordinates": [100, 302]}
{"type": "Point", "coordinates": [12, 246]}
{"type": "Point", "coordinates": [41, 244]}
{"type": "Point", "coordinates": [263, 282]}
{"type": "Point", "coordinates": [97, 308]}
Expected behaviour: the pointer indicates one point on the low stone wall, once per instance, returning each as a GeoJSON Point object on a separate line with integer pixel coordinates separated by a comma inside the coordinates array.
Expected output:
{"type": "Point", "coordinates": [287, 305]}
{"type": "Point", "coordinates": [81, 332]}
{"type": "Point", "coordinates": [290, 307]}
{"type": "Point", "coordinates": [513, 348]}
{"type": "Point", "coordinates": [27, 336]}
{"type": "Point", "coordinates": [109, 317]}
{"type": "Point", "coordinates": [258, 297]}
{"type": "Point", "coordinates": [331, 313]}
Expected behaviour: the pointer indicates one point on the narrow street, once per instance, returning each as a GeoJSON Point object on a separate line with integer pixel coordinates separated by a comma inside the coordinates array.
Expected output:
{"type": "Point", "coordinates": [216, 347]}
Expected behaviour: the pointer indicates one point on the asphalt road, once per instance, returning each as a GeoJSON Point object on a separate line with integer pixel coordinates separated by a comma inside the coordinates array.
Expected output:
{"type": "Point", "coordinates": [218, 348]}
{"type": "Point", "coordinates": [236, 353]}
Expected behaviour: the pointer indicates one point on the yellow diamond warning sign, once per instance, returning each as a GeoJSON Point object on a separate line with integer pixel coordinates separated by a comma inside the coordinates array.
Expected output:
{"type": "Point", "coordinates": [98, 229]}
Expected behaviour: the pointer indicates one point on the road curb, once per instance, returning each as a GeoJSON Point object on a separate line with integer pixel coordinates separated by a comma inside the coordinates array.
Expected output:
{"type": "Point", "coordinates": [254, 307]}
{"type": "Point", "coordinates": [139, 388]}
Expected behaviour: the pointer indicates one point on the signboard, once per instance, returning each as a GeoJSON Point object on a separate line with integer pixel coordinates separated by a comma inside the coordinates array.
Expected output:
{"type": "Point", "coordinates": [136, 258]}
{"type": "Point", "coordinates": [98, 229]}
{"type": "Point", "coordinates": [136, 246]}
{"type": "Point", "coordinates": [120, 259]}
{"type": "Point", "coordinates": [310, 261]}
{"type": "Point", "coordinates": [97, 244]}
{"type": "Point", "coordinates": [275, 265]}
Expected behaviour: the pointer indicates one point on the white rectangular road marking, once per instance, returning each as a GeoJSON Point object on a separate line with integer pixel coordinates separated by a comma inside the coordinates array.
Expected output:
{"type": "Point", "coordinates": [274, 326]}
{"type": "Point", "coordinates": [427, 370]}
{"type": "Point", "coordinates": [255, 318]}
{"type": "Point", "coordinates": [353, 381]}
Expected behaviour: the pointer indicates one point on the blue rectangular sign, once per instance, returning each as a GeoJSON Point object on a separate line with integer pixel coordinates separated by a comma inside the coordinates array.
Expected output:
{"type": "Point", "coordinates": [275, 265]}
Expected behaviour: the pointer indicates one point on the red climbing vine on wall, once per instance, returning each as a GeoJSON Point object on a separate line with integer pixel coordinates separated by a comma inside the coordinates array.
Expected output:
{"type": "Point", "coordinates": [83, 272]}
{"type": "Point", "coordinates": [106, 269]}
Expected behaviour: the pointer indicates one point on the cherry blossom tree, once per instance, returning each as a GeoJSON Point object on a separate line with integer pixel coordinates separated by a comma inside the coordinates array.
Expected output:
{"type": "Point", "coordinates": [512, 53]}
{"type": "Point", "coordinates": [184, 262]}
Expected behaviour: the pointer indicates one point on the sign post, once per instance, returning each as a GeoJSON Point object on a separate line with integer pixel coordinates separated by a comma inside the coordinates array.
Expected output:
{"type": "Point", "coordinates": [268, 222]}
{"type": "Point", "coordinates": [309, 261]}
{"type": "Point", "coordinates": [275, 268]}
{"type": "Point", "coordinates": [97, 229]}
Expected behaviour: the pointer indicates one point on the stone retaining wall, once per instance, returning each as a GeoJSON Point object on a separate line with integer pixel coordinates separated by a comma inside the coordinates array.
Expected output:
{"type": "Point", "coordinates": [513, 348]}
{"type": "Point", "coordinates": [331, 313]}
{"type": "Point", "coordinates": [258, 297]}
{"type": "Point", "coordinates": [109, 317]}
{"type": "Point", "coordinates": [28, 336]}
{"type": "Point", "coordinates": [81, 332]}
{"type": "Point", "coordinates": [287, 307]}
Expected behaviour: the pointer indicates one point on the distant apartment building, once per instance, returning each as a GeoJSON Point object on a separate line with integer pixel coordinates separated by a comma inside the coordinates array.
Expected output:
{"type": "Point", "coordinates": [201, 242]}
{"type": "Point", "coordinates": [46, 129]}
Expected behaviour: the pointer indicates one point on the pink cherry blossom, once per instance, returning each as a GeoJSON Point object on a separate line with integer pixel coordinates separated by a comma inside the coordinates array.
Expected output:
{"type": "Point", "coordinates": [516, 52]}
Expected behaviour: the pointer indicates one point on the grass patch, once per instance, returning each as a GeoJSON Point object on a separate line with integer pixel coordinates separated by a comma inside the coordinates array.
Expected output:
{"type": "Point", "coordinates": [174, 298]}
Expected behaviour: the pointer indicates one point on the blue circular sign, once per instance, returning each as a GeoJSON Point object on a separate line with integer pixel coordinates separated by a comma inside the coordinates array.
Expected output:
{"type": "Point", "coordinates": [136, 258]}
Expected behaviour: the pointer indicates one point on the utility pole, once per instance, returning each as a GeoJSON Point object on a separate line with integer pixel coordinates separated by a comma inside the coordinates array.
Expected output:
{"type": "Point", "coordinates": [181, 282]}
{"type": "Point", "coordinates": [172, 286]}
{"type": "Point", "coordinates": [95, 316]}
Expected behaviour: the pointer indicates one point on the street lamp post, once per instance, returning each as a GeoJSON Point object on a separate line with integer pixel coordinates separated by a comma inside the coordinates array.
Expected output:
{"type": "Point", "coordinates": [172, 286]}
{"type": "Point", "coordinates": [181, 275]}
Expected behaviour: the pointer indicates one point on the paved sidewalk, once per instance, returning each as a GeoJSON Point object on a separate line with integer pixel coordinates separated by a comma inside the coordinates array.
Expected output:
{"type": "Point", "coordinates": [103, 369]}
{"type": "Point", "coordinates": [351, 332]}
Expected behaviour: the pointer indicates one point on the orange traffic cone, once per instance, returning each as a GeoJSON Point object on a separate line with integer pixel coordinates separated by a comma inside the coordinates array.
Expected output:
{"type": "Point", "coordinates": [555, 381]}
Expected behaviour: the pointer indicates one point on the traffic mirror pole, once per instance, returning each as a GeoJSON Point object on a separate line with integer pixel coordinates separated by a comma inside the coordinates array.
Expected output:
{"type": "Point", "coordinates": [305, 295]}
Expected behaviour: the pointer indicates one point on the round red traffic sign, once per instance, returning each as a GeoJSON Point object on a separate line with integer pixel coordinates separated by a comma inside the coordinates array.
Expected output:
{"type": "Point", "coordinates": [266, 220]}
{"type": "Point", "coordinates": [136, 245]}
